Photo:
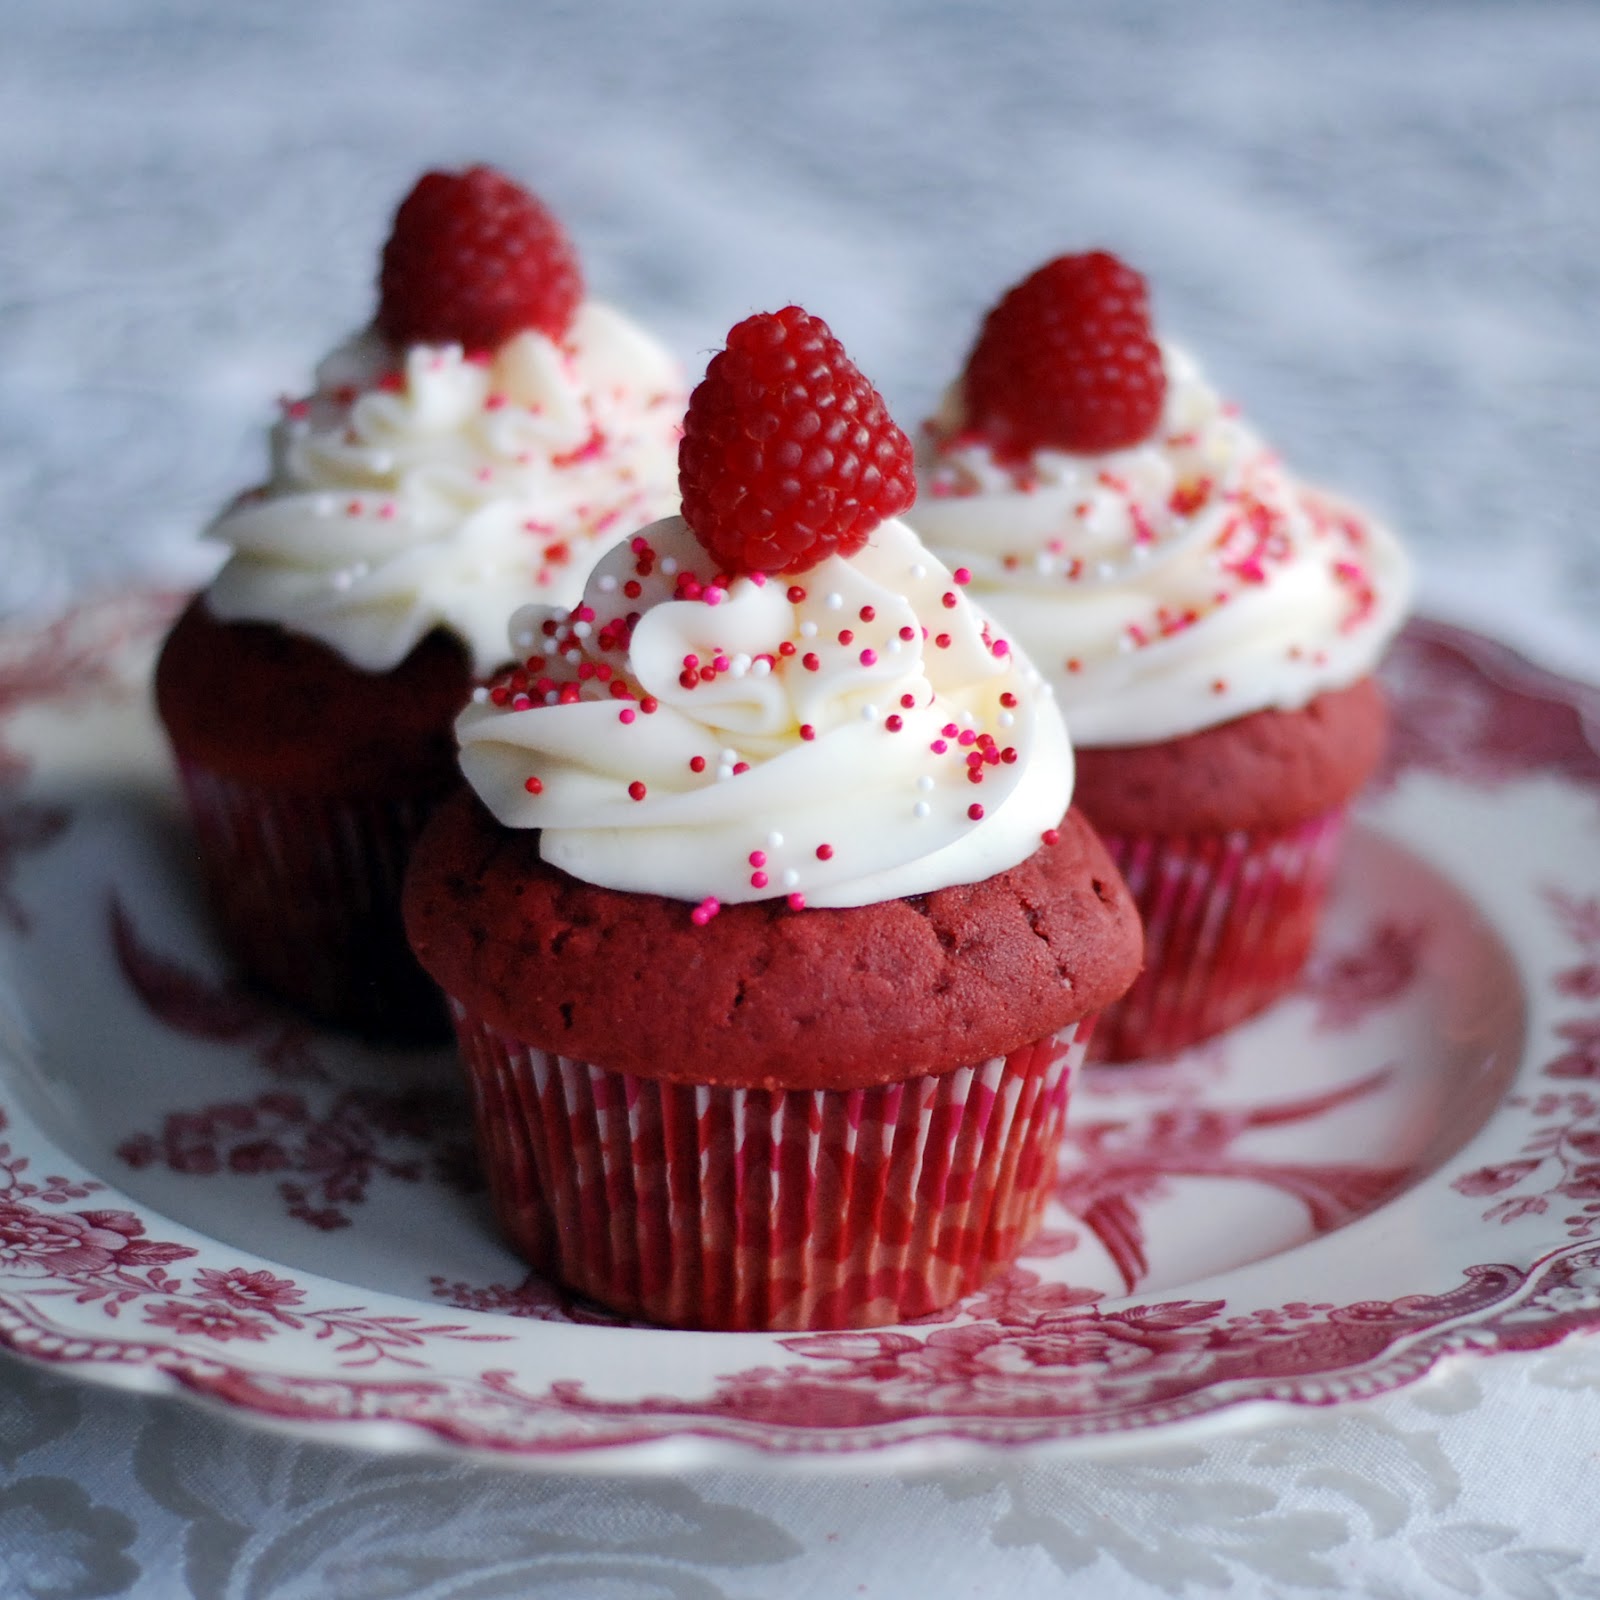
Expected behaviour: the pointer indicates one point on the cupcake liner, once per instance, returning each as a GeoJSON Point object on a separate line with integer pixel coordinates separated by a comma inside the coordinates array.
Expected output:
{"type": "Point", "coordinates": [306, 889]}
{"type": "Point", "coordinates": [1228, 922]}
{"type": "Point", "coordinates": [712, 1207]}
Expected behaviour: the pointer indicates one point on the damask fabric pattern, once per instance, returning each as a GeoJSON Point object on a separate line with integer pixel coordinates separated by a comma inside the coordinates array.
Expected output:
{"type": "Point", "coordinates": [1378, 223]}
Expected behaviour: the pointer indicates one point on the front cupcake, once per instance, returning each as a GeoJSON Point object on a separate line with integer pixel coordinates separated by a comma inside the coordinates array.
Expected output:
{"type": "Point", "coordinates": [1210, 626]}
{"type": "Point", "coordinates": [488, 436]}
{"type": "Point", "coordinates": [768, 934]}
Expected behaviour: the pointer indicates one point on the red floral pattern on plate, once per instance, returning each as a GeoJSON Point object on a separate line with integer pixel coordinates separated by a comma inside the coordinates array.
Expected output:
{"type": "Point", "coordinates": [1030, 1359]}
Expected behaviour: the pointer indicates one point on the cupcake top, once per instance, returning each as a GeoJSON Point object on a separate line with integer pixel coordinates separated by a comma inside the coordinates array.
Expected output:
{"type": "Point", "coordinates": [781, 693]}
{"type": "Point", "coordinates": [1141, 541]}
{"type": "Point", "coordinates": [489, 436]}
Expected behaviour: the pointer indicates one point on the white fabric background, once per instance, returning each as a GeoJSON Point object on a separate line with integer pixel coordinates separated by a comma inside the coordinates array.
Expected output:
{"type": "Point", "coordinates": [1379, 224]}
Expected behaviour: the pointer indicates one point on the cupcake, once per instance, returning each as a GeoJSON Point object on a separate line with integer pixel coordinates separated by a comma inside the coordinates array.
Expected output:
{"type": "Point", "coordinates": [483, 440]}
{"type": "Point", "coordinates": [1209, 623]}
{"type": "Point", "coordinates": [770, 941]}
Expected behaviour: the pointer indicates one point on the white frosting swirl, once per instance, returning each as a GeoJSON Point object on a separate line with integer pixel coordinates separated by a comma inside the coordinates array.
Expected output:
{"type": "Point", "coordinates": [807, 736]}
{"type": "Point", "coordinates": [1170, 586]}
{"type": "Point", "coordinates": [428, 489]}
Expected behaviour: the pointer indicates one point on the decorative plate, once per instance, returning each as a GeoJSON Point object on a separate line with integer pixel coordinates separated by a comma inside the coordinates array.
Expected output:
{"type": "Point", "coordinates": [1399, 1163]}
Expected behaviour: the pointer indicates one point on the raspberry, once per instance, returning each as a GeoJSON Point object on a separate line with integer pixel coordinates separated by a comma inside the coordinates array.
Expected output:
{"type": "Point", "coordinates": [472, 259]}
{"type": "Point", "coordinates": [1066, 361]}
{"type": "Point", "coordinates": [788, 454]}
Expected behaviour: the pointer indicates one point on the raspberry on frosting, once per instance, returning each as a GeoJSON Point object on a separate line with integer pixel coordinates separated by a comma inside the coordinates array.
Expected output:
{"type": "Point", "coordinates": [473, 259]}
{"type": "Point", "coordinates": [788, 454]}
{"type": "Point", "coordinates": [1067, 361]}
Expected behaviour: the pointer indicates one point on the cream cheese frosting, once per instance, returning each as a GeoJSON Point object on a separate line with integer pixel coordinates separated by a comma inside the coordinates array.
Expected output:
{"type": "Point", "coordinates": [1172, 585]}
{"type": "Point", "coordinates": [855, 734]}
{"type": "Point", "coordinates": [429, 488]}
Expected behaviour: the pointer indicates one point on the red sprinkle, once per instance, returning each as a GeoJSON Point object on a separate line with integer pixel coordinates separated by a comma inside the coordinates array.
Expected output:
{"type": "Point", "coordinates": [809, 661]}
{"type": "Point", "coordinates": [697, 763]}
{"type": "Point", "coordinates": [1008, 700]}
{"type": "Point", "coordinates": [636, 790]}
{"type": "Point", "coordinates": [948, 599]}
{"type": "Point", "coordinates": [807, 731]}
{"type": "Point", "coordinates": [534, 785]}
{"type": "Point", "coordinates": [942, 640]}
{"type": "Point", "coordinates": [975, 811]}
{"type": "Point", "coordinates": [893, 723]}
{"type": "Point", "coordinates": [1051, 836]}
{"type": "Point", "coordinates": [824, 852]}
{"type": "Point", "coordinates": [846, 636]}
{"type": "Point", "coordinates": [867, 613]}
{"type": "Point", "coordinates": [908, 633]}
{"type": "Point", "coordinates": [795, 594]}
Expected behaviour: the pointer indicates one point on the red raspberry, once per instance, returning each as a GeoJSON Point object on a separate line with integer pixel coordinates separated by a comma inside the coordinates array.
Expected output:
{"type": "Point", "coordinates": [788, 454]}
{"type": "Point", "coordinates": [473, 259]}
{"type": "Point", "coordinates": [1066, 361]}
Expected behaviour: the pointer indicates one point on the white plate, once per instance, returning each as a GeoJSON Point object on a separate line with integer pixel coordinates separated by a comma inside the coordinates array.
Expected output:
{"type": "Point", "coordinates": [1399, 1163]}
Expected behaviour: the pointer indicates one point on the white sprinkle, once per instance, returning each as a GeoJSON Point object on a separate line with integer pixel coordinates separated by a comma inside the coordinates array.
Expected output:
{"type": "Point", "coordinates": [790, 878]}
{"type": "Point", "coordinates": [479, 695]}
{"type": "Point", "coordinates": [1007, 720]}
{"type": "Point", "coordinates": [341, 580]}
{"type": "Point", "coordinates": [921, 809]}
{"type": "Point", "coordinates": [918, 570]}
{"type": "Point", "coordinates": [323, 505]}
{"type": "Point", "coordinates": [740, 665]}
{"type": "Point", "coordinates": [808, 630]}
{"type": "Point", "coordinates": [1048, 690]}
{"type": "Point", "coordinates": [760, 667]}
{"type": "Point", "coordinates": [669, 565]}
{"type": "Point", "coordinates": [581, 630]}
{"type": "Point", "coordinates": [606, 583]}
{"type": "Point", "coordinates": [729, 756]}
{"type": "Point", "coordinates": [925, 783]}
{"type": "Point", "coordinates": [552, 697]}
{"type": "Point", "coordinates": [381, 461]}
{"type": "Point", "coordinates": [574, 655]}
{"type": "Point", "coordinates": [869, 713]}
{"type": "Point", "coordinates": [724, 773]}
{"type": "Point", "coordinates": [1143, 552]}
{"type": "Point", "coordinates": [1044, 562]}
{"type": "Point", "coordinates": [774, 840]}
{"type": "Point", "coordinates": [550, 645]}
{"type": "Point", "coordinates": [968, 718]}
{"type": "Point", "coordinates": [1105, 569]}
{"type": "Point", "coordinates": [1125, 642]}
{"type": "Point", "coordinates": [894, 644]}
{"type": "Point", "coordinates": [834, 601]}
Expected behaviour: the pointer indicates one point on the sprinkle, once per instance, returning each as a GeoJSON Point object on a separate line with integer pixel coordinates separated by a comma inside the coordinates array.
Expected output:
{"type": "Point", "coordinates": [948, 600]}
{"type": "Point", "coordinates": [534, 785]}
{"type": "Point", "coordinates": [649, 704]}
{"type": "Point", "coordinates": [908, 633]}
{"type": "Point", "coordinates": [797, 902]}
{"type": "Point", "coordinates": [834, 601]}
{"type": "Point", "coordinates": [1074, 664]}
{"type": "Point", "coordinates": [669, 565]}
{"type": "Point", "coordinates": [869, 713]}
{"type": "Point", "coordinates": [636, 790]}
{"type": "Point", "coordinates": [714, 596]}
{"type": "Point", "coordinates": [479, 695]}
{"type": "Point", "coordinates": [824, 852]}
{"type": "Point", "coordinates": [893, 723]}
{"type": "Point", "coordinates": [810, 662]}
{"type": "Point", "coordinates": [975, 812]}
{"type": "Point", "coordinates": [962, 575]}
{"type": "Point", "coordinates": [758, 858]}
{"type": "Point", "coordinates": [1009, 755]}
{"type": "Point", "coordinates": [790, 878]}
{"type": "Point", "coordinates": [1006, 720]}
{"type": "Point", "coordinates": [942, 640]}
{"type": "Point", "coordinates": [1000, 648]}
{"type": "Point", "coordinates": [758, 880]}
{"type": "Point", "coordinates": [925, 783]}
{"type": "Point", "coordinates": [807, 731]}
{"type": "Point", "coordinates": [795, 594]}
{"type": "Point", "coordinates": [1219, 686]}
{"type": "Point", "coordinates": [808, 629]}
{"type": "Point", "coordinates": [705, 911]}
{"type": "Point", "coordinates": [697, 763]}
{"type": "Point", "coordinates": [866, 613]}
{"type": "Point", "coordinates": [869, 658]}
{"type": "Point", "coordinates": [938, 747]}
{"type": "Point", "coordinates": [921, 809]}
{"type": "Point", "coordinates": [1008, 699]}
{"type": "Point", "coordinates": [846, 636]}
{"type": "Point", "coordinates": [625, 715]}
{"type": "Point", "coordinates": [606, 583]}
{"type": "Point", "coordinates": [740, 766]}
{"type": "Point", "coordinates": [774, 840]}
{"type": "Point", "coordinates": [1051, 835]}
{"type": "Point", "coordinates": [918, 570]}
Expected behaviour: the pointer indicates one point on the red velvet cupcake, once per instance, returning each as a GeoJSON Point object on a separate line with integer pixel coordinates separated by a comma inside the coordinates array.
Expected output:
{"type": "Point", "coordinates": [769, 949]}
{"type": "Point", "coordinates": [1209, 624]}
{"type": "Point", "coordinates": [480, 445]}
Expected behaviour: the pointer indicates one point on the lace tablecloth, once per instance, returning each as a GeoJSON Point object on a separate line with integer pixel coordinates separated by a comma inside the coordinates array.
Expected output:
{"type": "Point", "coordinates": [1379, 226]}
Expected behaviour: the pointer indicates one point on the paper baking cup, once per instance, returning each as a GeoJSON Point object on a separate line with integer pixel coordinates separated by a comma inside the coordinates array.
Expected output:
{"type": "Point", "coordinates": [1228, 924]}
{"type": "Point", "coordinates": [704, 1207]}
{"type": "Point", "coordinates": [306, 890]}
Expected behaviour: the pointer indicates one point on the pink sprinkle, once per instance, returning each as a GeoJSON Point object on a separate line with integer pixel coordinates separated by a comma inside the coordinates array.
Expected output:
{"type": "Point", "coordinates": [625, 715]}
{"type": "Point", "coordinates": [1000, 648]}
{"type": "Point", "coordinates": [705, 911]}
{"type": "Point", "coordinates": [797, 902]}
{"type": "Point", "coordinates": [758, 880]}
{"type": "Point", "coordinates": [966, 737]}
{"type": "Point", "coordinates": [759, 579]}
{"type": "Point", "coordinates": [869, 658]}
{"type": "Point", "coordinates": [824, 852]}
{"type": "Point", "coordinates": [938, 747]}
{"type": "Point", "coordinates": [758, 858]}
{"type": "Point", "coordinates": [961, 575]}
{"type": "Point", "coordinates": [975, 811]}
{"type": "Point", "coordinates": [893, 722]}
{"type": "Point", "coordinates": [713, 596]}
{"type": "Point", "coordinates": [908, 633]}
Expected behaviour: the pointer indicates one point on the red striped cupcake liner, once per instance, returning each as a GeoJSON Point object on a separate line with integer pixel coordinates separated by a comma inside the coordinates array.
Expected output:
{"type": "Point", "coordinates": [306, 890]}
{"type": "Point", "coordinates": [710, 1207]}
{"type": "Point", "coordinates": [1228, 923]}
